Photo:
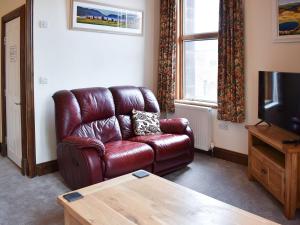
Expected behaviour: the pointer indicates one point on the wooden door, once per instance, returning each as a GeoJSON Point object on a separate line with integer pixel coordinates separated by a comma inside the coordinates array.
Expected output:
{"type": "Point", "coordinates": [12, 90]}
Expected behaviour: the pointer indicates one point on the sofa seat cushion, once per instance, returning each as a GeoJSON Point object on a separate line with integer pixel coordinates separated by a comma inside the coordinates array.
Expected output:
{"type": "Point", "coordinates": [166, 146]}
{"type": "Point", "coordinates": [123, 157]}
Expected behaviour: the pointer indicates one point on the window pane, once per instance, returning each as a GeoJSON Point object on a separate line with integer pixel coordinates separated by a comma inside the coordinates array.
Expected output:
{"type": "Point", "coordinates": [200, 70]}
{"type": "Point", "coordinates": [201, 16]}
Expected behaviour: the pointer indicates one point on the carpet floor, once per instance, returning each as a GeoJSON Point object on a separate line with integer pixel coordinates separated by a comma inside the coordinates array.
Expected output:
{"type": "Point", "coordinates": [25, 201]}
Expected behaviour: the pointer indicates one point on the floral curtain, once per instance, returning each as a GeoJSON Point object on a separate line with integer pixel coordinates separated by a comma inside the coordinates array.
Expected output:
{"type": "Point", "coordinates": [167, 57]}
{"type": "Point", "coordinates": [231, 88]}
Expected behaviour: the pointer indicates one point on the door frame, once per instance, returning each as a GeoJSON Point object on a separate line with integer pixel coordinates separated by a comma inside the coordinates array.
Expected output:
{"type": "Point", "coordinates": [25, 12]}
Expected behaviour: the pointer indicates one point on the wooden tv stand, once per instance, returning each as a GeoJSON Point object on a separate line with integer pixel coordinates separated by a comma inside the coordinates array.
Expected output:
{"type": "Point", "coordinates": [275, 165]}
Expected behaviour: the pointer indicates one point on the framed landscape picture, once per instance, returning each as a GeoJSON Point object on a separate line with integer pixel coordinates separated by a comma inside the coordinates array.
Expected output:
{"type": "Point", "coordinates": [286, 20]}
{"type": "Point", "coordinates": [92, 16]}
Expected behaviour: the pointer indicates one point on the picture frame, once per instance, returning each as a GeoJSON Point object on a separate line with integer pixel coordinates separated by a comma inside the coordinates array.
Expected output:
{"type": "Point", "coordinates": [286, 20]}
{"type": "Point", "coordinates": [100, 17]}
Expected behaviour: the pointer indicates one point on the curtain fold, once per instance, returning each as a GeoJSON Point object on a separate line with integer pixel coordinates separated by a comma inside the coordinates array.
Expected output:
{"type": "Point", "coordinates": [231, 81]}
{"type": "Point", "coordinates": [167, 56]}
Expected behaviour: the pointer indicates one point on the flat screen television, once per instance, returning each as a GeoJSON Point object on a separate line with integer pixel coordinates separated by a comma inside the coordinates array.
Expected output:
{"type": "Point", "coordinates": [279, 99]}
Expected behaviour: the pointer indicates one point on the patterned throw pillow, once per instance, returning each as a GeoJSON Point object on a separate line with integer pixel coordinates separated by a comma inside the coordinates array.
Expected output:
{"type": "Point", "coordinates": [145, 123]}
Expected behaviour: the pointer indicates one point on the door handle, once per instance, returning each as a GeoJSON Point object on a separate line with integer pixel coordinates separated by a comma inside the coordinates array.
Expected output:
{"type": "Point", "coordinates": [18, 103]}
{"type": "Point", "coordinates": [264, 171]}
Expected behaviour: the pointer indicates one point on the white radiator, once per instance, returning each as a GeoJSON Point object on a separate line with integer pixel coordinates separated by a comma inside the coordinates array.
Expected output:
{"type": "Point", "coordinates": [200, 119]}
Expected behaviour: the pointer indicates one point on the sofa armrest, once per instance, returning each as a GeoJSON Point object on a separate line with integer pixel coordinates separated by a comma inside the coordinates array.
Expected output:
{"type": "Point", "coordinates": [174, 126]}
{"type": "Point", "coordinates": [79, 161]}
{"type": "Point", "coordinates": [177, 126]}
{"type": "Point", "coordinates": [84, 143]}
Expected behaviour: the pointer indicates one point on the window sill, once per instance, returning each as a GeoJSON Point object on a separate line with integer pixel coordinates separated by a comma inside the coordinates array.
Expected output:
{"type": "Point", "coordinates": [197, 103]}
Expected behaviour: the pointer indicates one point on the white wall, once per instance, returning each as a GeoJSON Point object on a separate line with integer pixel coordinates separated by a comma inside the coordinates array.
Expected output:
{"type": "Point", "coordinates": [6, 6]}
{"type": "Point", "coordinates": [261, 54]}
{"type": "Point", "coordinates": [76, 59]}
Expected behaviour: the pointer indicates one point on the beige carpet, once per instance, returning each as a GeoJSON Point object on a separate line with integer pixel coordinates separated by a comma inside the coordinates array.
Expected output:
{"type": "Point", "coordinates": [25, 201]}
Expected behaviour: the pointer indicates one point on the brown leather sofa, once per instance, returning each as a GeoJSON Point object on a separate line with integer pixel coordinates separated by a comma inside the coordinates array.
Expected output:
{"type": "Point", "coordinates": [95, 138]}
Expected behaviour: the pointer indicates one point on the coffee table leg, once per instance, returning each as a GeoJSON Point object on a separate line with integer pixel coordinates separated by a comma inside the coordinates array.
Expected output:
{"type": "Point", "coordinates": [69, 219]}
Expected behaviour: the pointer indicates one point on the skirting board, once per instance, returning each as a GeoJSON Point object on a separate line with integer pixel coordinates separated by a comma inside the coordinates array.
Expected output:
{"type": "Point", "coordinates": [227, 155]}
{"type": "Point", "coordinates": [230, 156]}
{"type": "Point", "coordinates": [46, 167]}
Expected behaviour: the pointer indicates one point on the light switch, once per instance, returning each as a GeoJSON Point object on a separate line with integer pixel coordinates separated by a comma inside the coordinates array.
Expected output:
{"type": "Point", "coordinates": [43, 80]}
{"type": "Point", "coordinates": [43, 24]}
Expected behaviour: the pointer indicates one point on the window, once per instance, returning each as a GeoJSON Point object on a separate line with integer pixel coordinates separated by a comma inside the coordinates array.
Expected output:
{"type": "Point", "coordinates": [198, 50]}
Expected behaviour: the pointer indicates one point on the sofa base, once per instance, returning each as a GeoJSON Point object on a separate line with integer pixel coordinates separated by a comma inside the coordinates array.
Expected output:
{"type": "Point", "coordinates": [170, 165]}
{"type": "Point", "coordinates": [148, 168]}
{"type": "Point", "coordinates": [168, 171]}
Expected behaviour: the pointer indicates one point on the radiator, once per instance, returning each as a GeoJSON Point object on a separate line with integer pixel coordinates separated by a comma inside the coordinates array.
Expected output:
{"type": "Point", "coordinates": [200, 119]}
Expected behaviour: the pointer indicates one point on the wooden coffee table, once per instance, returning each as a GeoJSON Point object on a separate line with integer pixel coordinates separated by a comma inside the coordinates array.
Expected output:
{"type": "Point", "coordinates": [128, 200]}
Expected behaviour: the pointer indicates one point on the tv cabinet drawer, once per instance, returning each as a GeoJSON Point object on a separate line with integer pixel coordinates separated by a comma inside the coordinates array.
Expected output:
{"type": "Point", "coordinates": [268, 173]}
{"type": "Point", "coordinates": [276, 182]}
{"type": "Point", "coordinates": [259, 170]}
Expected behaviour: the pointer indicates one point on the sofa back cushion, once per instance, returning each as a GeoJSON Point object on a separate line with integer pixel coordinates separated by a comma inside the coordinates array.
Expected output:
{"type": "Point", "coordinates": [67, 114]}
{"type": "Point", "coordinates": [95, 104]}
{"type": "Point", "coordinates": [88, 112]}
{"type": "Point", "coordinates": [151, 104]}
{"type": "Point", "coordinates": [105, 130]}
{"type": "Point", "coordinates": [126, 99]}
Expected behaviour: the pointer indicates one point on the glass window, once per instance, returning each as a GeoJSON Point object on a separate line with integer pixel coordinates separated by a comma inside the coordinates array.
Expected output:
{"type": "Point", "coordinates": [198, 77]}
{"type": "Point", "coordinates": [200, 16]}
{"type": "Point", "coordinates": [200, 70]}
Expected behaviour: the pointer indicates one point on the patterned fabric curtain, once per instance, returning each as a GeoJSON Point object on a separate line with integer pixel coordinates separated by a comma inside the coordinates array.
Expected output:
{"type": "Point", "coordinates": [167, 57]}
{"type": "Point", "coordinates": [231, 88]}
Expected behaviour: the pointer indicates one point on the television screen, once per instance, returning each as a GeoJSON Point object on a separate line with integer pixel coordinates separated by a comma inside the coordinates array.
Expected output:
{"type": "Point", "coordinates": [279, 99]}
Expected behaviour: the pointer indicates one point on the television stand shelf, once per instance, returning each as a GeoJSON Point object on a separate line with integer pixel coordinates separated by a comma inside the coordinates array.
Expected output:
{"type": "Point", "coordinates": [275, 165]}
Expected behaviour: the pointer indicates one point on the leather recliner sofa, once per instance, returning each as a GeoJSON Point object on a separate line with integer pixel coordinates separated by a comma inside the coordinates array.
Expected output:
{"type": "Point", "coordinates": [96, 141]}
